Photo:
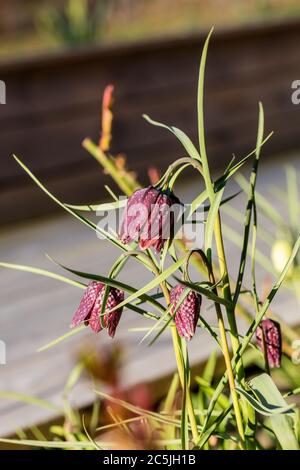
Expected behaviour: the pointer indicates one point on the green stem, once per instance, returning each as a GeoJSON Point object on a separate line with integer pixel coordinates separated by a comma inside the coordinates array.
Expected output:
{"type": "Point", "coordinates": [180, 367]}
{"type": "Point", "coordinates": [179, 361]}
{"type": "Point", "coordinates": [226, 353]}
{"type": "Point", "coordinates": [226, 283]}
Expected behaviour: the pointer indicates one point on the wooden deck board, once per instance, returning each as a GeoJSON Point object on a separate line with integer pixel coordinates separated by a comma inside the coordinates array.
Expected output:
{"type": "Point", "coordinates": [35, 310]}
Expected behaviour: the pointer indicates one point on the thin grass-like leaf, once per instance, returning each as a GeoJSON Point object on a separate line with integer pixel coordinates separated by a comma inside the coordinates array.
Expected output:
{"type": "Point", "coordinates": [237, 239]}
{"type": "Point", "coordinates": [137, 410]}
{"type": "Point", "coordinates": [170, 398]}
{"type": "Point", "coordinates": [152, 284]}
{"type": "Point", "coordinates": [107, 206]}
{"type": "Point", "coordinates": [210, 223]}
{"type": "Point", "coordinates": [212, 429]}
{"type": "Point", "coordinates": [210, 367]}
{"type": "Point", "coordinates": [262, 202]}
{"type": "Point", "coordinates": [92, 441]}
{"type": "Point", "coordinates": [85, 221]}
{"type": "Point", "coordinates": [52, 444]}
{"type": "Point", "coordinates": [181, 136]}
{"type": "Point", "coordinates": [249, 209]}
{"type": "Point", "coordinates": [226, 176]}
{"type": "Point", "coordinates": [264, 234]}
{"type": "Point", "coordinates": [119, 285]}
{"type": "Point", "coordinates": [206, 292]}
{"type": "Point", "coordinates": [201, 131]}
{"type": "Point", "coordinates": [61, 338]}
{"type": "Point", "coordinates": [30, 400]}
{"type": "Point", "coordinates": [74, 376]}
{"type": "Point", "coordinates": [42, 272]}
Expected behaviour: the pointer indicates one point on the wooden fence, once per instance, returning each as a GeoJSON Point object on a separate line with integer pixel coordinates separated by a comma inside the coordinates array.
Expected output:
{"type": "Point", "coordinates": [53, 102]}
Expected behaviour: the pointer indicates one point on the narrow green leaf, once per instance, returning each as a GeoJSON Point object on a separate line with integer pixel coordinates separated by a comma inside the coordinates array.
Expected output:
{"type": "Point", "coordinates": [263, 386]}
{"type": "Point", "coordinates": [171, 395]}
{"type": "Point", "coordinates": [210, 223]}
{"type": "Point", "coordinates": [206, 435]}
{"type": "Point", "coordinates": [51, 444]}
{"type": "Point", "coordinates": [250, 209]}
{"type": "Point", "coordinates": [181, 136]}
{"type": "Point", "coordinates": [43, 272]}
{"type": "Point", "coordinates": [263, 233]}
{"type": "Point", "coordinates": [117, 284]}
{"type": "Point", "coordinates": [210, 367]}
{"type": "Point", "coordinates": [140, 411]}
{"type": "Point", "coordinates": [85, 221]}
{"type": "Point", "coordinates": [264, 407]}
{"type": "Point", "coordinates": [107, 206]}
{"type": "Point", "coordinates": [58, 340]}
{"type": "Point", "coordinates": [206, 292]}
{"type": "Point", "coordinates": [235, 238]}
{"type": "Point", "coordinates": [74, 376]}
{"type": "Point", "coordinates": [222, 180]}
{"type": "Point", "coordinates": [152, 284]}
{"type": "Point", "coordinates": [201, 131]}
{"type": "Point", "coordinates": [30, 400]}
{"type": "Point", "coordinates": [262, 202]}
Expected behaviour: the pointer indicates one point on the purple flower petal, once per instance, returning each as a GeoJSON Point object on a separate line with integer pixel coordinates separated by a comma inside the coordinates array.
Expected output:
{"type": "Point", "coordinates": [187, 314]}
{"type": "Point", "coordinates": [136, 213]}
{"type": "Point", "coordinates": [148, 218]}
{"type": "Point", "coordinates": [272, 335]}
{"type": "Point", "coordinates": [87, 302]}
{"type": "Point", "coordinates": [94, 320]}
{"type": "Point", "coordinates": [111, 319]}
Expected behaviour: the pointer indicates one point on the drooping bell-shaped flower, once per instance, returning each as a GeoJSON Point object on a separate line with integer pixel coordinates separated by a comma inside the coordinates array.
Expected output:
{"type": "Point", "coordinates": [187, 313]}
{"type": "Point", "coordinates": [90, 307]}
{"type": "Point", "coordinates": [148, 218]}
{"type": "Point", "coordinates": [272, 338]}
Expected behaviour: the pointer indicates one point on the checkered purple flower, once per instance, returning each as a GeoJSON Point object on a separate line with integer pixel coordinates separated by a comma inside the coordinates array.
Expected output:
{"type": "Point", "coordinates": [148, 218]}
{"type": "Point", "coordinates": [187, 314]}
{"type": "Point", "coordinates": [272, 335]}
{"type": "Point", "coordinates": [90, 307]}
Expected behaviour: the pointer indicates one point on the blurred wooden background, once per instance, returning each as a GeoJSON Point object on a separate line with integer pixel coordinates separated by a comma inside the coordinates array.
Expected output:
{"type": "Point", "coordinates": [53, 102]}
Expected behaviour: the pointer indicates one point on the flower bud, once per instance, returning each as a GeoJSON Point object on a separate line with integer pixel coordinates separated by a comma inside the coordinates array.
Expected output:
{"type": "Point", "coordinates": [272, 339]}
{"type": "Point", "coordinates": [187, 314]}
